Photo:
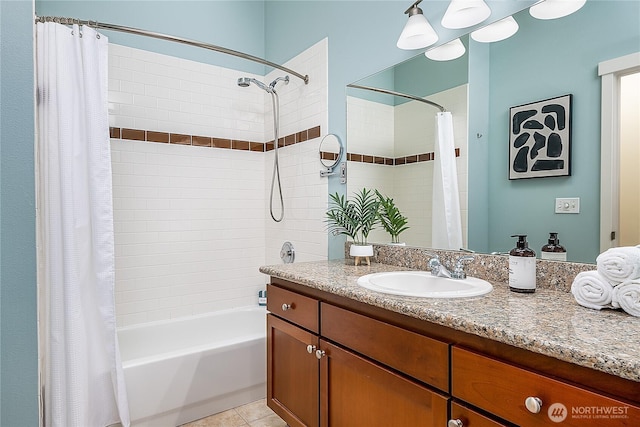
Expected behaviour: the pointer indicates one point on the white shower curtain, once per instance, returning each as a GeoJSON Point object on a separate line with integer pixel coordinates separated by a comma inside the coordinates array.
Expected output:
{"type": "Point", "coordinates": [81, 372]}
{"type": "Point", "coordinates": [446, 223]}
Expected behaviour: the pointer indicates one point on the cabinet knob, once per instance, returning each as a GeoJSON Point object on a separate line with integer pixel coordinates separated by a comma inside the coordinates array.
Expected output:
{"type": "Point", "coordinates": [311, 348]}
{"type": "Point", "coordinates": [455, 423]}
{"type": "Point", "coordinates": [533, 404]}
{"type": "Point", "coordinates": [320, 354]}
{"type": "Point", "coordinates": [286, 307]}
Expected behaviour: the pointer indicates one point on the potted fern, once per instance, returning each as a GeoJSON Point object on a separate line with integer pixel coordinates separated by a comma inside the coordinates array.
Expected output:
{"type": "Point", "coordinates": [391, 218]}
{"type": "Point", "coordinates": [354, 218]}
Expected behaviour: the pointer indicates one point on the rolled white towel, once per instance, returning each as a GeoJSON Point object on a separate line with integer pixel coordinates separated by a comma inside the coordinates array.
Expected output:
{"type": "Point", "coordinates": [591, 290]}
{"type": "Point", "coordinates": [619, 264]}
{"type": "Point", "coordinates": [627, 296]}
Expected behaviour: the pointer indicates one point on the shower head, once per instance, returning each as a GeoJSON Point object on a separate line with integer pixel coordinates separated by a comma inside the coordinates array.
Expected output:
{"type": "Point", "coordinates": [246, 81]}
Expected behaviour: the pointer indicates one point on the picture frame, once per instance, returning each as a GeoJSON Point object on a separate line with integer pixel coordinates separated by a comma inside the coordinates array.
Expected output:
{"type": "Point", "coordinates": [540, 139]}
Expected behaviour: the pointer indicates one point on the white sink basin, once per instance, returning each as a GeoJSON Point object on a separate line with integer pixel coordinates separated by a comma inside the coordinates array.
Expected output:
{"type": "Point", "coordinates": [423, 284]}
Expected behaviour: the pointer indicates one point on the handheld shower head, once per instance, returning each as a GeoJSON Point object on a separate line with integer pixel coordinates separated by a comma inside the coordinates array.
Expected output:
{"type": "Point", "coordinates": [246, 81]}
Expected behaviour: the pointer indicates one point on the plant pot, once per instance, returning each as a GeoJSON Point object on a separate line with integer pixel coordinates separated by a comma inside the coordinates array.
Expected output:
{"type": "Point", "coordinates": [397, 244]}
{"type": "Point", "coordinates": [360, 253]}
{"type": "Point", "coordinates": [361, 250]}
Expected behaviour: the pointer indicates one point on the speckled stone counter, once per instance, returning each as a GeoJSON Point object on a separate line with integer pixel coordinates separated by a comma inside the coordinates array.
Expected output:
{"type": "Point", "coordinates": [549, 321]}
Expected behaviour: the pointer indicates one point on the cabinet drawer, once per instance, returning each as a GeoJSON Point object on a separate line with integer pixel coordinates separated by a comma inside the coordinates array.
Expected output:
{"type": "Point", "coordinates": [421, 357]}
{"type": "Point", "coordinates": [502, 389]}
{"type": "Point", "coordinates": [296, 308]}
{"type": "Point", "coordinates": [470, 418]}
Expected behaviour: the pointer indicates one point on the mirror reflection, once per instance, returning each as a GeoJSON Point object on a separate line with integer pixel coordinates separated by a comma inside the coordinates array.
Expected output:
{"type": "Point", "coordinates": [392, 144]}
{"type": "Point", "coordinates": [330, 151]}
{"type": "Point", "coordinates": [543, 60]}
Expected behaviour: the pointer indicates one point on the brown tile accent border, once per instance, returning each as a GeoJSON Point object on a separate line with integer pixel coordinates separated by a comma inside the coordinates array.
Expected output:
{"type": "Point", "coordinates": [415, 158]}
{"type": "Point", "coordinates": [240, 145]}
{"type": "Point", "coordinates": [201, 141]}
{"type": "Point", "coordinates": [206, 141]}
{"type": "Point", "coordinates": [221, 143]}
{"type": "Point", "coordinates": [177, 138]}
{"type": "Point", "coordinates": [313, 132]}
{"type": "Point", "coordinates": [135, 134]}
{"type": "Point", "coordinates": [157, 136]}
{"type": "Point", "coordinates": [325, 155]}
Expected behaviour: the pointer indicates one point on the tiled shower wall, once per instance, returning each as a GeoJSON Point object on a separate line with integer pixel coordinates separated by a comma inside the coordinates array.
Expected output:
{"type": "Point", "coordinates": [410, 185]}
{"type": "Point", "coordinates": [190, 221]}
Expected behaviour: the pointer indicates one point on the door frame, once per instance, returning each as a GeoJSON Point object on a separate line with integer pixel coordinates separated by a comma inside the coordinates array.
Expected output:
{"type": "Point", "coordinates": [610, 72]}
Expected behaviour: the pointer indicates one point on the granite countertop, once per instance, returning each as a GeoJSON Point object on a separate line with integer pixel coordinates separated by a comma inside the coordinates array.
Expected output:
{"type": "Point", "coordinates": [548, 321]}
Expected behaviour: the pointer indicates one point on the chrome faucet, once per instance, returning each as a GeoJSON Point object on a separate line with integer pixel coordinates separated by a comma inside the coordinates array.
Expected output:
{"type": "Point", "coordinates": [437, 268]}
{"type": "Point", "coordinates": [458, 271]}
{"type": "Point", "coordinates": [440, 270]}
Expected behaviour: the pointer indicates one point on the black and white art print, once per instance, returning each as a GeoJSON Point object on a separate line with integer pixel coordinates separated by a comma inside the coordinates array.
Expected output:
{"type": "Point", "coordinates": [540, 139]}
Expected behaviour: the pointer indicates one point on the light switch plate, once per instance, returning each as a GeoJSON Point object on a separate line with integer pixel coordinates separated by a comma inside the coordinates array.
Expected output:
{"type": "Point", "coordinates": [568, 205]}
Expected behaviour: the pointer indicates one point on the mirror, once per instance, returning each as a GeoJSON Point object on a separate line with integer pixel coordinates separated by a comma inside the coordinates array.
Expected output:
{"type": "Point", "coordinates": [528, 67]}
{"type": "Point", "coordinates": [330, 151]}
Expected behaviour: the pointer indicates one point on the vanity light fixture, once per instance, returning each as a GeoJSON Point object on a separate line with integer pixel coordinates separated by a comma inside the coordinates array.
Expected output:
{"type": "Point", "coordinates": [552, 9]}
{"type": "Point", "coordinates": [417, 32]}
{"type": "Point", "coordinates": [465, 13]}
{"type": "Point", "coordinates": [499, 30]}
{"type": "Point", "coordinates": [448, 51]}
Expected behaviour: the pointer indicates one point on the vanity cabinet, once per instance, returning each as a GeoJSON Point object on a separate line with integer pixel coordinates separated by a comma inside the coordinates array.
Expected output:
{"type": "Point", "coordinates": [292, 365]}
{"type": "Point", "coordinates": [528, 399]}
{"type": "Point", "coordinates": [334, 362]}
{"type": "Point", "coordinates": [346, 377]}
{"type": "Point", "coordinates": [357, 392]}
{"type": "Point", "coordinates": [463, 416]}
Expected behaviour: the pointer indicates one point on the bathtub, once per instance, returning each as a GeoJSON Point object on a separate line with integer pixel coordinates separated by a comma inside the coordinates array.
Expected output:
{"type": "Point", "coordinates": [188, 368]}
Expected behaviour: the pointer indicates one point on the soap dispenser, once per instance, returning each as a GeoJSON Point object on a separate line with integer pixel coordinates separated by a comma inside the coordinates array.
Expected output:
{"type": "Point", "coordinates": [553, 251]}
{"type": "Point", "coordinates": [522, 266]}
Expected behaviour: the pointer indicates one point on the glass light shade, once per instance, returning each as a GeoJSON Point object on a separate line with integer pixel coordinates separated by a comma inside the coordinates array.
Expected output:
{"type": "Point", "coordinates": [448, 51]}
{"type": "Point", "coordinates": [499, 30]}
{"type": "Point", "coordinates": [417, 33]}
{"type": "Point", "coordinates": [465, 13]}
{"type": "Point", "coordinates": [552, 9]}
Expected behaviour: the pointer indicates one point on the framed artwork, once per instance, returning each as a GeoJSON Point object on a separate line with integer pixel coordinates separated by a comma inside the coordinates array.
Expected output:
{"type": "Point", "coordinates": [540, 139]}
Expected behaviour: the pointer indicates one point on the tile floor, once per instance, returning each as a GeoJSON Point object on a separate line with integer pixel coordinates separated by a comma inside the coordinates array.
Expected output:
{"type": "Point", "coordinates": [255, 414]}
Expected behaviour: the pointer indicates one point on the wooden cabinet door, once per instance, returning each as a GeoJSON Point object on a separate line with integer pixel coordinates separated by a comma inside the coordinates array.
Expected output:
{"type": "Point", "coordinates": [355, 392]}
{"type": "Point", "coordinates": [292, 373]}
{"type": "Point", "coordinates": [470, 418]}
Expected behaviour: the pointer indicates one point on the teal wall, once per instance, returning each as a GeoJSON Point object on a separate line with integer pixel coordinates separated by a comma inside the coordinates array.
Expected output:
{"type": "Point", "coordinates": [237, 25]}
{"type": "Point", "coordinates": [18, 330]}
{"type": "Point", "coordinates": [362, 41]}
{"type": "Point", "coordinates": [362, 38]}
{"type": "Point", "coordinates": [562, 60]}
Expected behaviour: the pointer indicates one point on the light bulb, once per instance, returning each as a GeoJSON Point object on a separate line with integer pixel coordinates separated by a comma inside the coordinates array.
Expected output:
{"type": "Point", "coordinates": [417, 32]}
{"type": "Point", "coordinates": [448, 51]}
{"type": "Point", "coordinates": [552, 9]}
{"type": "Point", "coordinates": [497, 31]}
{"type": "Point", "coordinates": [465, 13]}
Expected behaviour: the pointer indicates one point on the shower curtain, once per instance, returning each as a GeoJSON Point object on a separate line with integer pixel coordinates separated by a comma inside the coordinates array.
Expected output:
{"type": "Point", "coordinates": [81, 372]}
{"type": "Point", "coordinates": [446, 223]}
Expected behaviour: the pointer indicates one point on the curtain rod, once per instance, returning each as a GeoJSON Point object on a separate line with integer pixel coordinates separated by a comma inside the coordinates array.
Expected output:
{"type": "Point", "coordinates": [403, 95]}
{"type": "Point", "coordinates": [102, 25]}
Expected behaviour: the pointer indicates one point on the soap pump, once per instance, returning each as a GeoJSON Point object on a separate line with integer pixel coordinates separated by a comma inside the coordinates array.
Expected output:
{"type": "Point", "coordinates": [522, 266]}
{"type": "Point", "coordinates": [553, 251]}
